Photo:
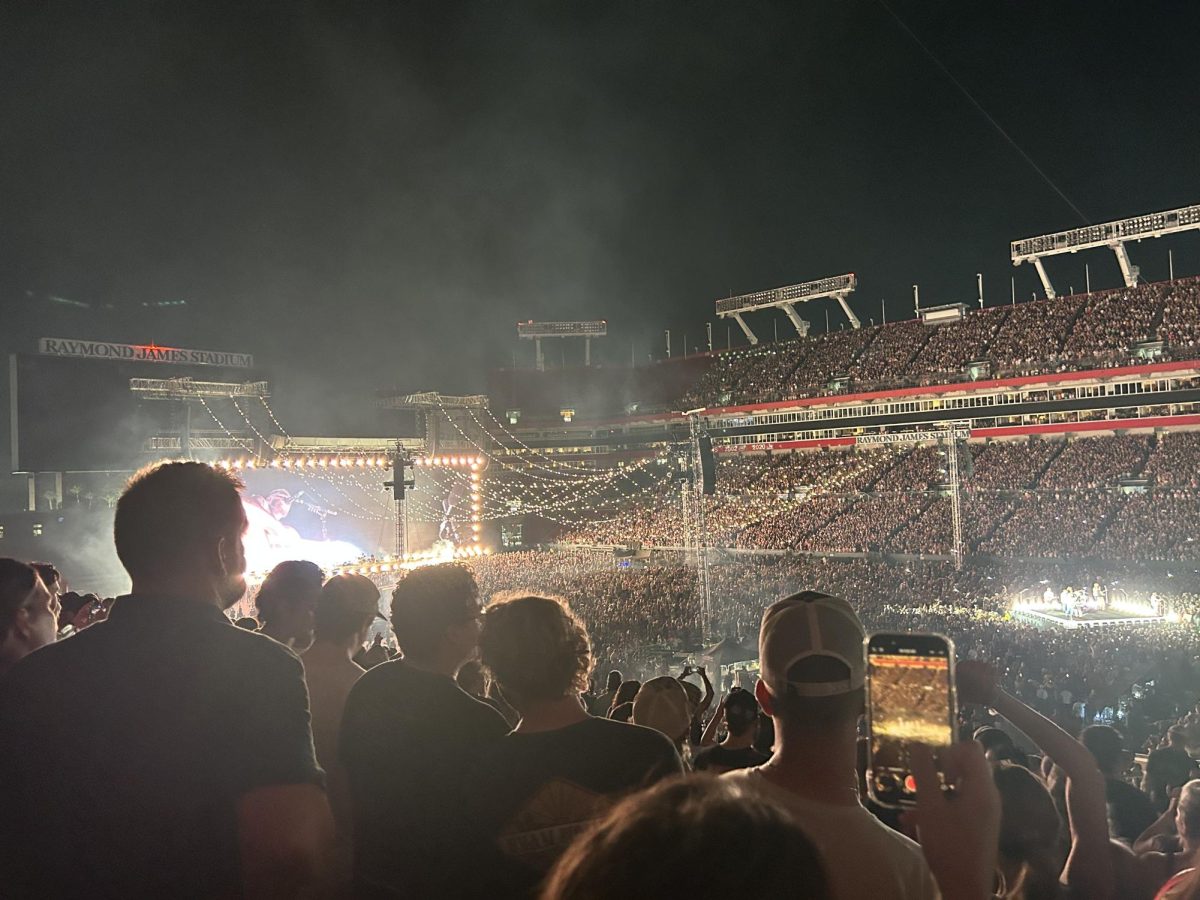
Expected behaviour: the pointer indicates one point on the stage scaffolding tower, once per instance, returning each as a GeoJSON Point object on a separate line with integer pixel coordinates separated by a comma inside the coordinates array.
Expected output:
{"type": "Point", "coordinates": [951, 434]}
{"type": "Point", "coordinates": [695, 525]}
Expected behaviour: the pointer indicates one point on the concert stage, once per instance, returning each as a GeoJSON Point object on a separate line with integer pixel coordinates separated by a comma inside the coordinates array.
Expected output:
{"type": "Point", "coordinates": [1056, 618]}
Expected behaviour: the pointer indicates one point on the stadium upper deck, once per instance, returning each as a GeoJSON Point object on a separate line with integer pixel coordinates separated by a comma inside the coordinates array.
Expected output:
{"type": "Point", "coordinates": [1125, 353]}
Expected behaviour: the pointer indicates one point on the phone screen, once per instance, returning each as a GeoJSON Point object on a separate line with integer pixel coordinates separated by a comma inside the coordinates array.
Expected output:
{"type": "Point", "coordinates": [910, 700]}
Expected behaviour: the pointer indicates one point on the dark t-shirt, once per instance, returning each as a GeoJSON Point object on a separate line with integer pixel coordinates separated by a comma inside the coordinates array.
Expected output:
{"type": "Point", "coordinates": [543, 788]}
{"type": "Point", "coordinates": [124, 751]}
{"type": "Point", "coordinates": [411, 742]}
{"type": "Point", "coordinates": [1129, 810]}
{"type": "Point", "coordinates": [722, 759]}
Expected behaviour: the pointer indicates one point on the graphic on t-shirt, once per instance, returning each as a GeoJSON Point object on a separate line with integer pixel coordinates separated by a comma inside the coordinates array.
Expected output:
{"type": "Point", "coordinates": [549, 820]}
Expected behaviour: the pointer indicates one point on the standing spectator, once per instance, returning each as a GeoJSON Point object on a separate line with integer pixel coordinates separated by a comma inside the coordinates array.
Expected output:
{"type": "Point", "coordinates": [662, 704]}
{"type": "Point", "coordinates": [603, 701]}
{"type": "Point", "coordinates": [287, 602]}
{"type": "Point", "coordinates": [1130, 812]}
{"type": "Point", "coordinates": [410, 739]}
{"type": "Point", "coordinates": [560, 768]}
{"type": "Point", "coordinates": [170, 750]}
{"type": "Point", "coordinates": [739, 711]}
{"type": "Point", "coordinates": [622, 703]}
{"type": "Point", "coordinates": [51, 577]}
{"type": "Point", "coordinates": [813, 676]}
{"type": "Point", "coordinates": [1175, 868]}
{"type": "Point", "coordinates": [346, 609]}
{"type": "Point", "coordinates": [28, 613]}
{"type": "Point", "coordinates": [1167, 768]}
{"type": "Point", "coordinates": [1029, 852]}
{"type": "Point", "coordinates": [699, 837]}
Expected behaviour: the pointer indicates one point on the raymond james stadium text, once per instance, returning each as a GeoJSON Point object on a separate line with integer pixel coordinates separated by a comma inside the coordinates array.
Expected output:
{"type": "Point", "coordinates": [142, 353]}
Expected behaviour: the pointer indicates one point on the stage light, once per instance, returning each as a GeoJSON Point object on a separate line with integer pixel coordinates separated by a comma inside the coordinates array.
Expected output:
{"type": "Point", "coordinates": [322, 462]}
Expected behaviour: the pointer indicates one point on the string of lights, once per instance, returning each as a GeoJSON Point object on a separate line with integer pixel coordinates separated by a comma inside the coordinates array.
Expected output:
{"type": "Point", "coordinates": [245, 418]}
{"type": "Point", "coordinates": [564, 466]}
{"type": "Point", "coordinates": [341, 511]}
{"type": "Point", "coordinates": [271, 413]}
{"type": "Point", "coordinates": [589, 471]}
{"type": "Point", "coordinates": [516, 501]}
{"type": "Point", "coordinates": [229, 434]}
{"type": "Point", "coordinates": [500, 461]}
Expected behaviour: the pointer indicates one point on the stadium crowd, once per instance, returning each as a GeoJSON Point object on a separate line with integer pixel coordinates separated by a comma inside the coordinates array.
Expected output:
{"type": "Point", "coordinates": [1069, 332]}
{"type": "Point", "coordinates": [476, 756]}
{"type": "Point", "coordinates": [1117, 496]}
{"type": "Point", "coordinates": [464, 746]}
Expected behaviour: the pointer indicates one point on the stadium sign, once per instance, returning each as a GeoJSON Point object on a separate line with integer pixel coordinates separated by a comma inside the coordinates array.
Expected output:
{"type": "Point", "coordinates": [142, 353]}
{"type": "Point", "coordinates": [908, 437]}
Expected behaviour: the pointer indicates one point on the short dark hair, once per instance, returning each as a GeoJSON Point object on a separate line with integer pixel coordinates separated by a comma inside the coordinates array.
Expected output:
{"type": "Point", "coordinates": [172, 511]}
{"type": "Point", "coordinates": [427, 601]}
{"type": "Point", "coordinates": [348, 604]}
{"type": "Point", "coordinates": [1106, 744]}
{"type": "Point", "coordinates": [535, 648]}
{"type": "Point", "coordinates": [741, 712]}
{"type": "Point", "coordinates": [49, 574]}
{"type": "Point", "coordinates": [626, 692]}
{"type": "Point", "coordinates": [992, 739]}
{"type": "Point", "coordinates": [17, 581]}
{"type": "Point", "coordinates": [663, 840]}
{"type": "Point", "coordinates": [287, 580]}
{"type": "Point", "coordinates": [613, 682]}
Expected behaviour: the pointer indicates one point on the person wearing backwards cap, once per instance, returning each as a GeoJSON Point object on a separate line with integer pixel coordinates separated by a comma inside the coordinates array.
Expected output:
{"type": "Point", "coordinates": [813, 671]}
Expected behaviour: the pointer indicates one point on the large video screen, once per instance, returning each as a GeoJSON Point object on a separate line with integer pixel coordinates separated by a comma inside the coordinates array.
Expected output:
{"type": "Point", "coordinates": [332, 517]}
{"type": "Point", "coordinates": [79, 415]}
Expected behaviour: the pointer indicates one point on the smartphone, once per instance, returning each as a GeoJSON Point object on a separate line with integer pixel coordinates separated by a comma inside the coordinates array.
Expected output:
{"type": "Point", "coordinates": [910, 699]}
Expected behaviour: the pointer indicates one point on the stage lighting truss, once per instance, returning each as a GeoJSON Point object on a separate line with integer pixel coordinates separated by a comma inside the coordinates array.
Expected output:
{"type": "Point", "coordinates": [837, 287]}
{"type": "Point", "coordinates": [189, 389]}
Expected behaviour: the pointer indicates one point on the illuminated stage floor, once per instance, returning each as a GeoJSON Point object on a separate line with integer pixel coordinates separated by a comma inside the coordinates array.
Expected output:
{"type": "Point", "coordinates": [1058, 619]}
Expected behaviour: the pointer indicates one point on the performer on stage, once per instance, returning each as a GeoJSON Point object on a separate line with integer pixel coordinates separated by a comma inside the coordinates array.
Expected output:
{"type": "Point", "coordinates": [1067, 598]}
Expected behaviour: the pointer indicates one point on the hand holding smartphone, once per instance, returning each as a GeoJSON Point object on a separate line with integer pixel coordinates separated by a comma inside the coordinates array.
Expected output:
{"type": "Point", "coordinates": [910, 700]}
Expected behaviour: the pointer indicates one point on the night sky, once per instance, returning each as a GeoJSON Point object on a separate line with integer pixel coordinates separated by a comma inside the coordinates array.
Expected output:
{"type": "Point", "coordinates": [370, 194]}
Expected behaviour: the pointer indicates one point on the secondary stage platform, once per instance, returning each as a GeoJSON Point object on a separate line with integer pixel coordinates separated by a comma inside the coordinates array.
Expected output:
{"type": "Point", "coordinates": [1056, 618]}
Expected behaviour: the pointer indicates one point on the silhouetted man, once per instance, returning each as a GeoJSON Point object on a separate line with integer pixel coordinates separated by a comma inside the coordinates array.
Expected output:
{"type": "Point", "coordinates": [163, 752]}
{"type": "Point", "coordinates": [410, 739]}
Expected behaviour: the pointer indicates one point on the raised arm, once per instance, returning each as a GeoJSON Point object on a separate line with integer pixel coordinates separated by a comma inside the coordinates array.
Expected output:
{"type": "Point", "coordinates": [706, 702]}
{"type": "Point", "coordinates": [710, 730]}
{"type": "Point", "coordinates": [1089, 868]}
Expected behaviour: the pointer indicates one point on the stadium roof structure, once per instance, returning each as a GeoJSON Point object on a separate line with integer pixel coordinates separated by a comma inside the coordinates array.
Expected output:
{"type": "Point", "coordinates": [536, 331]}
{"type": "Point", "coordinates": [839, 287]}
{"type": "Point", "coordinates": [1112, 235]}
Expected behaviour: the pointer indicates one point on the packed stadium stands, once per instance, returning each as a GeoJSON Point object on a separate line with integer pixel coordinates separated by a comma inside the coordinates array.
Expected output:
{"type": "Point", "coordinates": [1067, 332]}
{"type": "Point", "coordinates": [1115, 496]}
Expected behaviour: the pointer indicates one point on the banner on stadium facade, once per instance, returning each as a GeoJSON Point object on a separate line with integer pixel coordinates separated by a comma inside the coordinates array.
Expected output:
{"type": "Point", "coordinates": [142, 353]}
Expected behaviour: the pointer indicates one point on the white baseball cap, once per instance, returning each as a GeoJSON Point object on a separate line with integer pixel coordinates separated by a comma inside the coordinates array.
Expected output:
{"type": "Point", "coordinates": [805, 625]}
